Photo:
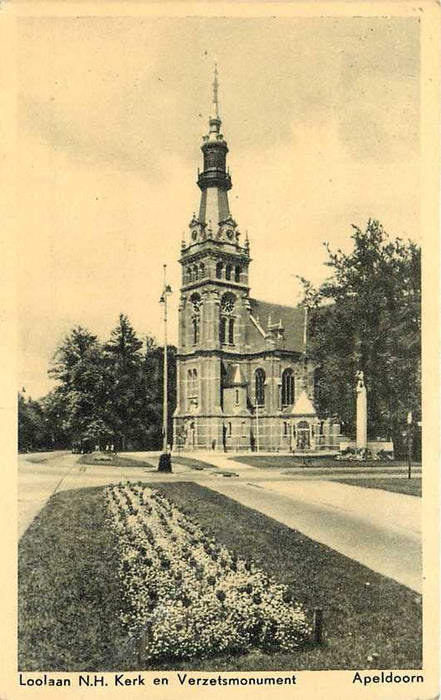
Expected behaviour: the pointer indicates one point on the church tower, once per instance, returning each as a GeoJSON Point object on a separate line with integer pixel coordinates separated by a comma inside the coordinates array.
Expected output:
{"type": "Point", "coordinates": [214, 303]}
{"type": "Point", "coordinates": [244, 380]}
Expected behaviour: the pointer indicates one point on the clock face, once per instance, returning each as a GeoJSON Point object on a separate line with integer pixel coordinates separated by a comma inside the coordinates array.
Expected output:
{"type": "Point", "coordinates": [227, 303]}
{"type": "Point", "coordinates": [230, 233]}
{"type": "Point", "coordinates": [194, 234]}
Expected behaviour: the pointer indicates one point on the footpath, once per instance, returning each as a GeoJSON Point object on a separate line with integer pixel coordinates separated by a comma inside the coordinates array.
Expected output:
{"type": "Point", "coordinates": [379, 529]}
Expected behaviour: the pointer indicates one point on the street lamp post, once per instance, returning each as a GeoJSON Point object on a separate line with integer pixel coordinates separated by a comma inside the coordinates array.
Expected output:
{"type": "Point", "coordinates": [167, 290]}
{"type": "Point", "coordinates": [257, 425]}
{"type": "Point", "coordinates": [409, 445]}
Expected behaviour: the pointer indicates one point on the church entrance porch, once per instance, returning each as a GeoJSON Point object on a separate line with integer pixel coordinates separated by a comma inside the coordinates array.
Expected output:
{"type": "Point", "coordinates": [303, 436]}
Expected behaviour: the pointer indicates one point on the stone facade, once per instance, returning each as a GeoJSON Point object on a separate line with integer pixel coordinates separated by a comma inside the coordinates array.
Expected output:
{"type": "Point", "coordinates": [244, 379]}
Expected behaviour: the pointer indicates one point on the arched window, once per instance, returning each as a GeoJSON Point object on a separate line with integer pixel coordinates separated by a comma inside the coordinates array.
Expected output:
{"type": "Point", "coordinates": [196, 302]}
{"type": "Point", "coordinates": [259, 379]}
{"type": "Point", "coordinates": [189, 275]}
{"type": "Point", "coordinates": [228, 272]}
{"type": "Point", "coordinates": [219, 268]}
{"type": "Point", "coordinates": [237, 273]}
{"type": "Point", "coordinates": [195, 273]}
{"type": "Point", "coordinates": [288, 387]}
{"type": "Point", "coordinates": [195, 323]}
{"type": "Point", "coordinates": [192, 378]}
{"type": "Point", "coordinates": [202, 270]}
{"type": "Point", "coordinates": [231, 331]}
{"type": "Point", "coordinates": [223, 330]}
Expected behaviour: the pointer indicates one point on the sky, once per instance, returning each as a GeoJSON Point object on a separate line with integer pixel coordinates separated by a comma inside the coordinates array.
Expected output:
{"type": "Point", "coordinates": [321, 116]}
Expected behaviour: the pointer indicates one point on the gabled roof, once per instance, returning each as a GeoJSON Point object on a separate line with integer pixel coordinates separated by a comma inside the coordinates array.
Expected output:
{"type": "Point", "coordinates": [303, 406]}
{"type": "Point", "coordinates": [292, 317]}
{"type": "Point", "coordinates": [233, 375]}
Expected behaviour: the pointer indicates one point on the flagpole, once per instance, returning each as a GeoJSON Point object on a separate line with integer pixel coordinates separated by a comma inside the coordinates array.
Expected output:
{"type": "Point", "coordinates": [164, 406]}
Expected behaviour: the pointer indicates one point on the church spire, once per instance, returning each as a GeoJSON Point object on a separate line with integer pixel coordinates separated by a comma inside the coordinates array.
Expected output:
{"type": "Point", "coordinates": [215, 93]}
{"type": "Point", "coordinates": [215, 120]}
{"type": "Point", "coordinates": [214, 180]}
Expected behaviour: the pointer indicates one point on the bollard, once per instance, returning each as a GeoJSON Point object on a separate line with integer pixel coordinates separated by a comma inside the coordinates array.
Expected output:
{"type": "Point", "coordinates": [317, 625]}
{"type": "Point", "coordinates": [141, 648]}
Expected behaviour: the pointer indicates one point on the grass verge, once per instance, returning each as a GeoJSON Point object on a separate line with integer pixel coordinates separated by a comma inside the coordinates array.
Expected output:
{"type": "Point", "coordinates": [411, 487]}
{"type": "Point", "coordinates": [37, 458]}
{"type": "Point", "coordinates": [69, 592]}
{"type": "Point", "coordinates": [98, 459]}
{"type": "Point", "coordinates": [197, 464]}
{"type": "Point", "coordinates": [68, 587]}
{"type": "Point", "coordinates": [283, 461]}
{"type": "Point", "coordinates": [364, 613]}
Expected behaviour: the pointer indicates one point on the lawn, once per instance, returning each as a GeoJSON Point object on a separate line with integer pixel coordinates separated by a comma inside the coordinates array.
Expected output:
{"type": "Point", "coordinates": [279, 461]}
{"type": "Point", "coordinates": [70, 593]}
{"type": "Point", "coordinates": [68, 589]}
{"type": "Point", "coordinates": [411, 487]}
{"type": "Point", "coordinates": [40, 458]}
{"type": "Point", "coordinates": [197, 464]}
{"type": "Point", "coordinates": [109, 459]}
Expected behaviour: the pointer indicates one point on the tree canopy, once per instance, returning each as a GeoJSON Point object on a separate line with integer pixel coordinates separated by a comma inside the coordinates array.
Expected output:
{"type": "Point", "coordinates": [106, 393]}
{"type": "Point", "coordinates": [367, 316]}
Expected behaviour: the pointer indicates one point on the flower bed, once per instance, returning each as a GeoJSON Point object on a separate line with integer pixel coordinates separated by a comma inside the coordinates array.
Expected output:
{"type": "Point", "coordinates": [190, 596]}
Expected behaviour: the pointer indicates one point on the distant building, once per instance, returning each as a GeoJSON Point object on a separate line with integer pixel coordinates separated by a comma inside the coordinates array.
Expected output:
{"type": "Point", "coordinates": [244, 381]}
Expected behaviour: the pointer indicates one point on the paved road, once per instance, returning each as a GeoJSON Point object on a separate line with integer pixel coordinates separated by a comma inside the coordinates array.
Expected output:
{"type": "Point", "coordinates": [380, 532]}
{"type": "Point", "coordinates": [379, 529]}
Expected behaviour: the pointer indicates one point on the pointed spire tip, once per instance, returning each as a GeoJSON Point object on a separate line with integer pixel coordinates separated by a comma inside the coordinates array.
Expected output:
{"type": "Point", "coordinates": [215, 92]}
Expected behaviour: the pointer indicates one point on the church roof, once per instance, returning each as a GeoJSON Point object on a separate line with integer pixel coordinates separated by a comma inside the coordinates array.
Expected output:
{"type": "Point", "coordinates": [265, 313]}
{"type": "Point", "coordinates": [303, 406]}
{"type": "Point", "coordinates": [233, 375]}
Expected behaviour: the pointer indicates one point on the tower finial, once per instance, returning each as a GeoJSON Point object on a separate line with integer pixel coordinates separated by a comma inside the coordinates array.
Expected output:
{"type": "Point", "coordinates": [215, 93]}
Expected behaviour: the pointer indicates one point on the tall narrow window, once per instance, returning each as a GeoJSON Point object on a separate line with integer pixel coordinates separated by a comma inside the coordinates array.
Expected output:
{"type": "Point", "coordinates": [219, 268]}
{"type": "Point", "coordinates": [259, 378]}
{"type": "Point", "coordinates": [288, 387]}
{"type": "Point", "coordinates": [228, 272]}
{"type": "Point", "coordinates": [196, 304]}
{"type": "Point", "coordinates": [189, 275]}
{"type": "Point", "coordinates": [202, 270]}
{"type": "Point", "coordinates": [223, 330]}
{"type": "Point", "coordinates": [195, 273]}
{"type": "Point", "coordinates": [192, 389]}
{"type": "Point", "coordinates": [237, 397]}
{"type": "Point", "coordinates": [237, 273]}
{"type": "Point", "coordinates": [195, 330]}
{"type": "Point", "coordinates": [231, 331]}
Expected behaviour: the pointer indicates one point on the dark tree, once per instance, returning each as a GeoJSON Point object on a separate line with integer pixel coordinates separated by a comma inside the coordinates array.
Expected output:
{"type": "Point", "coordinates": [32, 434]}
{"type": "Point", "coordinates": [124, 366]}
{"type": "Point", "coordinates": [83, 388]}
{"type": "Point", "coordinates": [105, 394]}
{"type": "Point", "coordinates": [367, 316]}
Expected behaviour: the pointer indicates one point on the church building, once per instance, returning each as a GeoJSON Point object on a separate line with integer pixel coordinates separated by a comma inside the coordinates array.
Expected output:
{"type": "Point", "coordinates": [244, 380]}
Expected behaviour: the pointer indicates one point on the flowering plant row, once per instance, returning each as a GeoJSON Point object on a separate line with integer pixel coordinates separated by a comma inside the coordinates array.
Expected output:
{"type": "Point", "coordinates": [189, 595]}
